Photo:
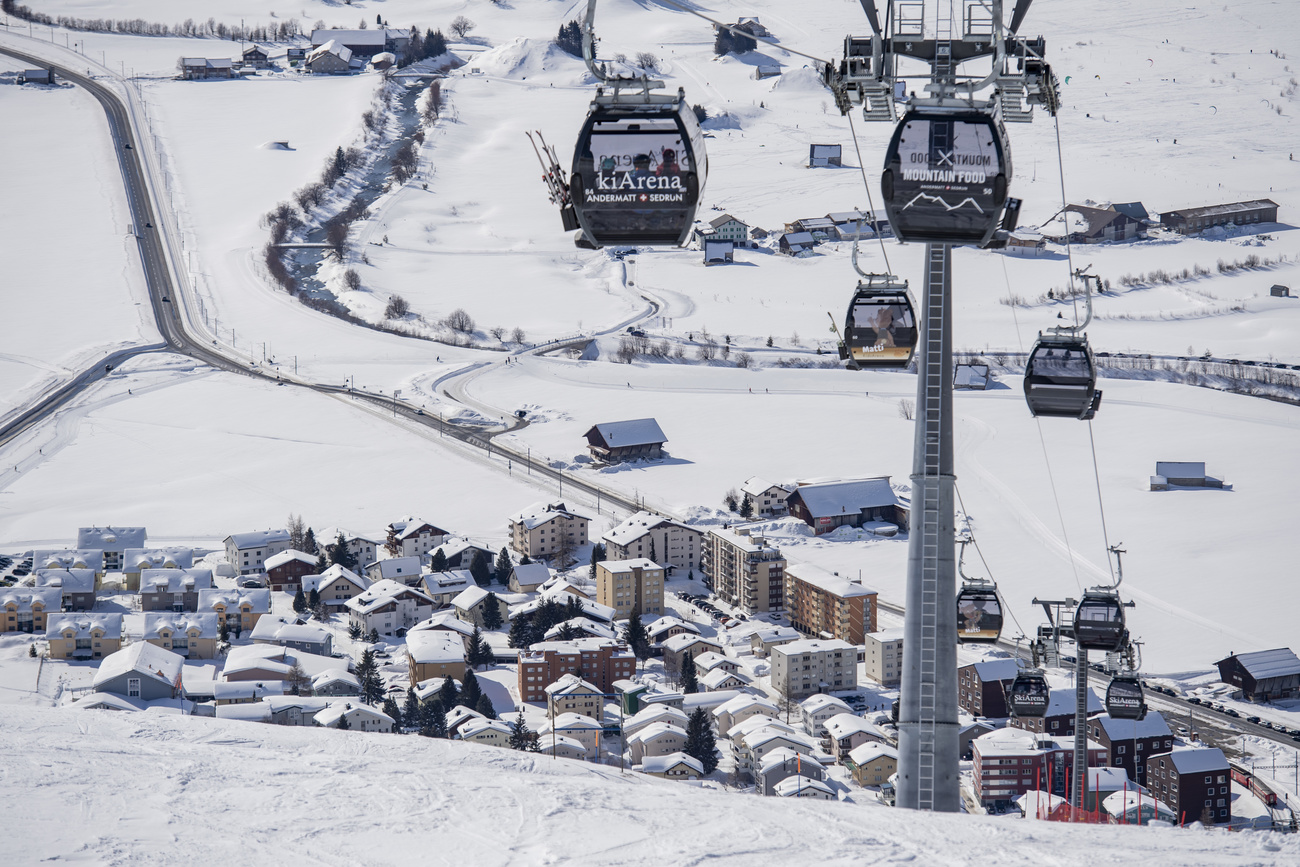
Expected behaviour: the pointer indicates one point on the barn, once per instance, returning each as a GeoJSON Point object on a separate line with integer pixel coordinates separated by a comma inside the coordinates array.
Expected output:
{"type": "Point", "coordinates": [1267, 675]}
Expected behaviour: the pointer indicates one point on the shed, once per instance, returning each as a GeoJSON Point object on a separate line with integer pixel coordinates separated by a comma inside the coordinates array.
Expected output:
{"type": "Point", "coordinates": [620, 440]}
{"type": "Point", "coordinates": [1266, 675]}
{"type": "Point", "coordinates": [36, 76]}
{"type": "Point", "coordinates": [1280, 291]}
{"type": "Point", "coordinates": [718, 252]}
{"type": "Point", "coordinates": [796, 243]}
{"type": "Point", "coordinates": [972, 376]}
{"type": "Point", "coordinates": [763, 71]}
{"type": "Point", "coordinates": [1191, 220]}
{"type": "Point", "coordinates": [1183, 474]}
{"type": "Point", "coordinates": [828, 505]}
{"type": "Point", "coordinates": [825, 155]}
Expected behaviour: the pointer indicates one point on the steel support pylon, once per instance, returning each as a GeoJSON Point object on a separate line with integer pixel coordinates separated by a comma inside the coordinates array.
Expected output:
{"type": "Point", "coordinates": [1079, 785]}
{"type": "Point", "coordinates": [927, 714]}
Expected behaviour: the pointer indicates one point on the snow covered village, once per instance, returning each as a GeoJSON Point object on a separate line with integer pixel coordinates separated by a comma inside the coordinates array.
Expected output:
{"type": "Point", "coordinates": [818, 483]}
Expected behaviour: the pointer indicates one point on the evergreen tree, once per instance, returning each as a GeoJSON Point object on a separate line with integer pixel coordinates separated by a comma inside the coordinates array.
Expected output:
{"type": "Point", "coordinates": [567, 632]}
{"type": "Point", "coordinates": [470, 692]}
{"type": "Point", "coordinates": [485, 707]}
{"type": "Point", "coordinates": [491, 612]}
{"type": "Point", "coordinates": [373, 637]}
{"type": "Point", "coordinates": [309, 545]}
{"type": "Point", "coordinates": [299, 602]}
{"type": "Point", "coordinates": [478, 567]}
{"type": "Point", "coordinates": [746, 508]}
{"type": "Point", "coordinates": [340, 168]}
{"type": "Point", "coordinates": [372, 686]}
{"type": "Point", "coordinates": [298, 681]}
{"type": "Point", "coordinates": [340, 554]}
{"type": "Point", "coordinates": [503, 566]}
{"type": "Point", "coordinates": [447, 693]}
{"type": "Point", "coordinates": [520, 633]}
{"type": "Point", "coordinates": [525, 560]}
{"type": "Point", "coordinates": [654, 557]}
{"type": "Point", "coordinates": [313, 598]}
{"type": "Point", "coordinates": [573, 608]}
{"type": "Point", "coordinates": [438, 562]}
{"type": "Point", "coordinates": [701, 743]}
{"type": "Point", "coordinates": [569, 38]}
{"type": "Point", "coordinates": [223, 630]}
{"type": "Point", "coordinates": [411, 712]}
{"type": "Point", "coordinates": [690, 679]}
{"type": "Point", "coordinates": [437, 727]}
{"type": "Point", "coordinates": [322, 562]}
{"type": "Point", "coordinates": [636, 638]}
{"type": "Point", "coordinates": [391, 708]}
{"type": "Point", "coordinates": [478, 653]}
{"type": "Point", "coordinates": [521, 737]}
{"type": "Point", "coordinates": [343, 722]}
{"type": "Point", "coordinates": [321, 612]}
{"type": "Point", "coordinates": [730, 501]}
{"type": "Point", "coordinates": [435, 44]}
{"type": "Point", "coordinates": [597, 556]}
{"type": "Point", "coordinates": [354, 630]}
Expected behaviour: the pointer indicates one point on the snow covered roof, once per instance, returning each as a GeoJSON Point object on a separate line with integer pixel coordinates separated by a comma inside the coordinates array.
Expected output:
{"type": "Point", "coordinates": [556, 743]}
{"type": "Point", "coordinates": [257, 538]}
{"type": "Point", "coordinates": [330, 535]}
{"type": "Point", "coordinates": [342, 52]}
{"type": "Point", "coordinates": [444, 620]}
{"type": "Point", "coordinates": [274, 658]}
{"type": "Point", "coordinates": [814, 645]}
{"type": "Point", "coordinates": [1122, 729]}
{"type": "Point", "coordinates": [745, 702]}
{"type": "Point", "coordinates": [332, 574]}
{"type": "Point", "coordinates": [664, 624]}
{"type": "Point", "coordinates": [796, 786]}
{"type": "Point", "coordinates": [382, 593]}
{"type": "Point", "coordinates": [142, 658]}
{"type": "Point", "coordinates": [395, 566]}
{"type": "Point", "coordinates": [175, 580]}
{"type": "Point", "coordinates": [82, 622]}
{"type": "Point", "coordinates": [1262, 664]}
{"type": "Point", "coordinates": [583, 624]}
{"type": "Point", "coordinates": [755, 739]}
{"type": "Point", "coordinates": [205, 623]}
{"type": "Point", "coordinates": [252, 711]}
{"type": "Point", "coordinates": [569, 721]}
{"type": "Point", "coordinates": [483, 724]}
{"type": "Point", "coordinates": [883, 635]}
{"type": "Point", "coordinates": [258, 600]}
{"type": "Point", "coordinates": [847, 497]}
{"type": "Point", "coordinates": [25, 597]}
{"type": "Point", "coordinates": [571, 683]}
{"type": "Point", "coordinates": [715, 680]}
{"type": "Point", "coordinates": [1129, 802]}
{"type": "Point", "coordinates": [589, 608]}
{"type": "Point", "coordinates": [844, 725]}
{"type": "Point", "coordinates": [657, 730]}
{"type": "Point", "coordinates": [989, 670]}
{"type": "Point", "coordinates": [680, 643]}
{"type": "Point", "coordinates": [1109, 780]}
{"type": "Point", "coordinates": [105, 701]}
{"type": "Point", "coordinates": [232, 690]}
{"type": "Point", "coordinates": [411, 526]}
{"type": "Point", "coordinates": [801, 238]}
{"type": "Point", "coordinates": [287, 556]}
{"type": "Point", "coordinates": [781, 755]}
{"type": "Point", "coordinates": [711, 660]}
{"type": "Point", "coordinates": [656, 713]}
{"type": "Point", "coordinates": [67, 580]}
{"type": "Point", "coordinates": [754, 723]}
{"type": "Point", "coordinates": [1198, 759]}
{"type": "Point", "coordinates": [137, 559]}
{"type": "Point", "coordinates": [47, 558]}
{"type": "Point", "coordinates": [828, 581]}
{"type": "Point", "coordinates": [531, 574]}
{"type": "Point", "coordinates": [539, 513]}
{"type": "Point", "coordinates": [334, 675]}
{"type": "Point", "coordinates": [756, 486]}
{"type": "Point", "coordinates": [329, 717]}
{"type": "Point", "coordinates": [616, 566]}
{"type": "Point", "coordinates": [637, 526]}
{"type": "Point", "coordinates": [111, 538]}
{"type": "Point", "coordinates": [864, 754]}
{"type": "Point", "coordinates": [1062, 702]}
{"type": "Point", "coordinates": [435, 646]}
{"type": "Point", "coordinates": [633, 432]}
{"type": "Point", "coordinates": [469, 597]}
{"type": "Point", "coordinates": [664, 764]}
{"type": "Point", "coordinates": [372, 38]}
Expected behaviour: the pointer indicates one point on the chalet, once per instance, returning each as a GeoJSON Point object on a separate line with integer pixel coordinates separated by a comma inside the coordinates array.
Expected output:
{"type": "Point", "coordinates": [256, 56]}
{"type": "Point", "coordinates": [821, 228]}
{"type": "Point", "coordinates": [572, 694]}
{"type": "Point", "coordinates": [796, 243]}
{"type": "Point", "coordinates": [856, 225]}
{"type": "Point", "coordinates": [445, 621]}
{"type": "Point", "coordinates": [196, 68]}
{"type": "Point", "coordinates": [666, 627]}
{"type": "Point", "coordinates": [113, 541]}
{"type": "Point", "coordinates": [442, 587]}
{"type": "Point", "coordinates": [673, 766]}
{"type": "Point", "coordinates": [1196, 783]}
{"type": "Point", "coordinates": [404, 570]}
{"type": "Point", "coordinates": [761, 641]}
{"type": "Point", "coordinates": [626, 440]}
{"type": "Point", "coordinates": [742, 707]}
{"type": "Point", "coordinates": [285, 571]}
{"type": "Point", "coordinates": [1266, 675]}
{"type": "Point", "coordinates": [751, 25]}
{"type": "Point", "coordinates": [1103, 224]}
{"type": "Point", "coordinates": [656, 739]}
{"type": "Point", "coordinates": [247, 662]}
{"type": "Point", "coordinates": [141, 671]}
{"type": "Point", "coordinates": [490, 732]}
{"type": "Point", "coordinates": [847, 731]}
{"type": "Point", "coordinates": [852, 503]}
{"type": "Point", "coordinates": [768, 500]}
{"type": "Point", "coordinates": [725, 228]}
{"type": "Point", "coordinates": [1025, 243]}
{"type": "Point", "coordinates": [1189, 221]}
{"type": "Point", "coordinates": [982, 687]}
{"type": "Point", "coordinates": [360, 718]}
{"type": "Point", "coordinates": [288, 632]}
{"type": "Point", "coordinates": [801, 786]}
{"type": "Point", "coordinates": [528, 577]}
{"type": "Point", "coordinates": [1182, 474]}
{"type": "Point", "coordinates": [335, 682]}
{"type": "Point", "coordinates": [782, 764]}
{"type": "Point", "coordinates": [247, 552]}
{"type": "Point", "coordinates": [872, 763]}
{"type": "Point", "coordinates": [387, 606]}
{"type": "Point", "coordinates": [544, 530]}
{"type": "Point", "coordinates": [77, 587]}
{"type": "Point", "coordinates": [330, 58]}
{"type": "Point", "coordinates": [821, 156]}
{"type": "Point", "coordinates": [681, 647]}
{"type": "Point", "coordinates": [766, 70]}
{"type": "Point", "coordinates": [335, 586]}
{"type": "Point", "coordinates": [365, 549]}
{"type": "Point", "coordinates": [412, 537]}
{"type": "Point", "coordinates": [721, 680]}
{"type": "Point", "coordinates": [653, 714]}
{"type": "Point", "coordinates": [364, 43]}
{"type": "Point", "coordinates": [473, 604]}
{"type": "Point", "coordinates": [1129, 742]}
{"type": "Point", "coordinates": [173, 589]}
{"type": "Point", "coordinates": [84, 635]}
{"type": "Point", "coordinates": [459, 553]}
{"type": "Point", "coordinates": [579, 627]}
{"type": "Point", "coordinates": [817, 709]}
{"type": "Point", "coordinates": [434, 653]}
{"type": "Point", "coordinates": [136, 560]}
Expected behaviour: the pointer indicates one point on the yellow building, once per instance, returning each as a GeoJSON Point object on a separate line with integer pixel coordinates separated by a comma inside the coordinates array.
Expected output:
{"type": "Point", "coordinates": [84, 635]}
{"type": "Point", "coordinates": [630, 586]}
{"type": "Point", "coordinates": [26, 609]}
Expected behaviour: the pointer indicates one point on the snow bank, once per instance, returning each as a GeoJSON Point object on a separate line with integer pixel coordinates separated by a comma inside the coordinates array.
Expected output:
{"type": "Point", "coordinates": [524, 57]}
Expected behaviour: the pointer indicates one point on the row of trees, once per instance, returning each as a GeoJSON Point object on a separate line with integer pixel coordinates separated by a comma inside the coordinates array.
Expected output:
{"type": "Point", "coordinates": [281, 31]}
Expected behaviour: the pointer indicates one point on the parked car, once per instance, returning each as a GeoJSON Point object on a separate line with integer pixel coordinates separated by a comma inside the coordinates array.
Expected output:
{"type": "Point", "coordinates": [1193, 700]}
{"type": "Point", "coordinates": [1252, 719]}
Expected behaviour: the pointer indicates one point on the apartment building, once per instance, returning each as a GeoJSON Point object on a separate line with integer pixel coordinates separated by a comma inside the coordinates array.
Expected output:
{"type": "Point", "coordinates": [802, 668]}
{"type": "Point", "coordinates": [883, 656]}
{"type": "Point", "coordinates": [598, 660]}
{"type": "Point", "coordinates": [744, 570]}
{"type": "Point", "coordinates": [1010, 762]}
{"type": "Point", "coordinates": [248, 552]}
{"type": "Point", "coordinates": [824, 604]}
{"type": "Point", "coordinates": [630, 586]}
{"type": "Point", "coordinates": [545, 529]}
{"type": "Point", "coordinates": [1129, 741]}
{"type": "Point", "coordinates": [657, 538]}
{"type": "Point", "coordinates": [982, 687]}
{"type": "Point", "coordinates": [1196, 783]}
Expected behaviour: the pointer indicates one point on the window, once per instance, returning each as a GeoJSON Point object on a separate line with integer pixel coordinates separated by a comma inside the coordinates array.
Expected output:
{"type": "Point", "coordinates": [1121, 749]}
{"type": "Point", "coordinates": [133, 691]}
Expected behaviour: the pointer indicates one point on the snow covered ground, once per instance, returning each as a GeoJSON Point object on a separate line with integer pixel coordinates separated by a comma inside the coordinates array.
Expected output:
{"type": "Point", "coordinates": [67, 238]}
{"type": "Point", "coordinates": [227, 789]}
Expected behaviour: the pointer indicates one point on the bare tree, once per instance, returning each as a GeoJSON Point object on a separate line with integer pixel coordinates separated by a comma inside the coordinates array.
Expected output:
{"type": "Point", "coordinates": [432, 107]}
{"type": "Point", "coordinates": [397, 308]}
{"type": "Point", "coordinates": [707, 350]}
{"type": "Point", "coordinates": [646, 60]}
{"type": "Point", "coordinates": [517, 336]}
{"type": "Point", "coordinates": [626, 350]}
{"type": "Point", "coordinates": [336, 235]}
{"type": "Point", "coordinates": [404, 162]}
{"type": "Point", "coordinates": [906, 408]}
{"type": "Point", "coordinates": [352, 280]}
{"type": "Point", "coordinates": [461, 26]}
{"type": "Point", "coordinates": [744, 359]}
{"type": "Point", "coordinates": [459, 320]}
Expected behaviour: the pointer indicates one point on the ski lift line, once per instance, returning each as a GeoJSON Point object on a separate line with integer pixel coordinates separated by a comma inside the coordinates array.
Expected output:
{"type": "Point", "coordinates": [971, 530]}
{"type": "Point", "coordinates": [1101, 507]}
{"type": "Point", "coordinates": [875, 224]}
{"type": "Point", "coordinates": [683, 8]}
{"type": "Point", "coordinates": [1065, 218]}
{"type": "Point", "coordinates": [1065, 534]}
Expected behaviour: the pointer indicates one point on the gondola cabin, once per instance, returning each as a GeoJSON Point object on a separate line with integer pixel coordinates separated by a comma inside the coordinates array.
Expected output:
{"type": "Point", "coordinates": [880, 327]}
{"type": "Point", "coordinates": [1099, 621]}
{"type": "Point", "coordinates": [1029, 694]}
{"type": "Point", "coordinates": [638, 169]}
{"type": "Point", "coordinates": [979, 614]}
{"type": "Point", "coordinates": [946, 176]}
{"type": "Point", "coordinates": [1061, 378]}
{"type": "Point", "coordinates": [1124, 698]}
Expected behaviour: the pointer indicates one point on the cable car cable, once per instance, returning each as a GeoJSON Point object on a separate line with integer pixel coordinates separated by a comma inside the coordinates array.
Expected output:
{"type": "Point", "coordinates": [971, 530]}
{"type": "Point", "coordinates": [1096, 474]}
{"type": "Point", "coordinates": [875, 224]}
{"type": "Point", "coordinates": [1065, 218]}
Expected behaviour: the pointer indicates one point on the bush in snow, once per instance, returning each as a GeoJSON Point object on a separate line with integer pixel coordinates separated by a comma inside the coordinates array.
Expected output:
{"type": "Point", "coordinates": [397, 308]}
{"type": "Point", "coordinates": [459, 320]}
